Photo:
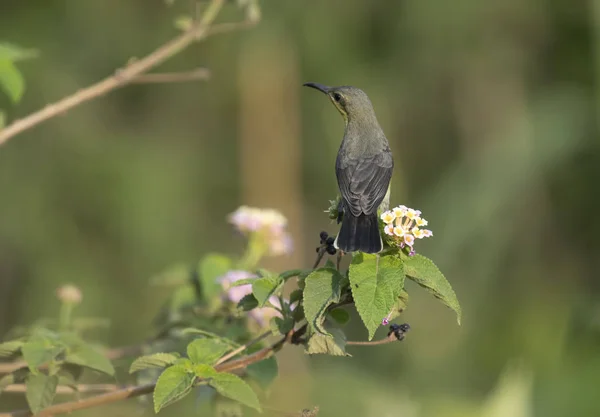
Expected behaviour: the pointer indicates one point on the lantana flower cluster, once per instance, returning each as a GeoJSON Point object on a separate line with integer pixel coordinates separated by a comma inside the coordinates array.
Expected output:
{"type": "Point", "coordinates": [268, 223]}
{"type": "Point", "coordinates": [404, 224]}
{"type": "Point", "coordinates": [235, 294]}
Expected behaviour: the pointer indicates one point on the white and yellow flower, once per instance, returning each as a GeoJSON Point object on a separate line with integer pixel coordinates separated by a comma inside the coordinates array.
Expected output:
{"type": "Point", "coordinates": [404, 225]}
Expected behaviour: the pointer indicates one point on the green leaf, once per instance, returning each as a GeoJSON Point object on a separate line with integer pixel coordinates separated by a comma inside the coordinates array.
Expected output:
{"type": "Point", "coordinates": [11, 80]}
{"type": "Point", "coordinates": [296, 296]}
{"type": "Point", "coordinates": [248, 302]}
{"type": "Point", "coordinates": [15, 53]}
{"type": "Point", "coordinates": [340, 315]}
{"type": "Point", "coordinates": [204, 371]}
{"type": "Point", "coordinates": [206, 351]}
{"type": "Point", "coordinates": [86, 355]}
{"type": "Point", "coordinates": [281, 326]}
{"type": "Point", "coordinates": [264, 287]}
{"type": "Point", "coordinates": [172, 385]}
{"type": "Point", "coordinates": [40, 391]}
{"type": "Point", "coordinates": [191, 330]}
{"type": "Point", "coordinates": [424, 272]}
{"type": "Point", "coordinates": [290, 274]}
{"type": "Point", "coordinates": [264, 372]}
{"type": "Point", "coordinates": [322, 288]}
{"type": "Point", "coordinates": [16, 377]}
{"type": "Point", "coordinates": [156, 360]}
{"type": "Point", "coordinates": [40, 351]}
{"type": "Point", "coordinates": [245, 281]}
{"type": "Point", "coordinates": [211, 267]}
{"type": "Point", "coordinates": [232, 386]}
{"type": "Point", "coordinates": [329, 264]}
{"type": "Point", "coordinates": [10, 348]}
{"type": "Point", "coordinates": [376, 283]}
{"type": "Point", "coordinates": [332, 344]}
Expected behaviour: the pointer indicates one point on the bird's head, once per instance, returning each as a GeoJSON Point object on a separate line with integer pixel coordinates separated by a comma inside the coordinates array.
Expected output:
{"type": "Point", "coordinates": [351, 102]}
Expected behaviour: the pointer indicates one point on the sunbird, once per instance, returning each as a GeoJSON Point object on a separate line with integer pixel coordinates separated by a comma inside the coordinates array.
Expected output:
{"type": "Point", "coordinates": [363, 168]}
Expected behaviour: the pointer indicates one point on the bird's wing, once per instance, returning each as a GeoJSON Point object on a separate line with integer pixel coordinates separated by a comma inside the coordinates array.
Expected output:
{"type": "Point", "coordinates": [364, 181]}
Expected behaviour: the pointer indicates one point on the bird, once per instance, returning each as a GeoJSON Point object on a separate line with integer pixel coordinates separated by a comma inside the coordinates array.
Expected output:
{"type": "Point", "coordinates": [363, 168]}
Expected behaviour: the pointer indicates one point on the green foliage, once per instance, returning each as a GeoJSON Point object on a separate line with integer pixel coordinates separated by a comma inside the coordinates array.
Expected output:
{"type": "Point", "coordinates": [425, 273]}
{"type": "Point", "coordinates": [248, 302]}
{"type": "Point", "coordinates": [340, 316]}
{"type": "Point", "coordinates": [281, 325]}
{"type": "Point", "coordinates": [156, 360]}
{"type": "Point", "coordinates": [333, 343]}
{"type": "Point", "coordinates": [173, 384]}
{"type": "Point", "coordinates": [10, 348]}
{"type": "Point", "coordinates": [376, 283]}
{"type": "Point", "coordinates": [265, 287]}
{"type": "Point", "coordinates": [322, 289]}
{"type": "Point", "coordinates": [40, 351]}
{"type": "Point", "coordinates": [11, 80]}
{"type": "Point", "coordinates": [206, 351]}
{"type": "Point", "coordinates": [87, 356]}
{"type": "Point", "coordinates": [41, 389]}
{"type": "Point", "coordinates": [232, 386]}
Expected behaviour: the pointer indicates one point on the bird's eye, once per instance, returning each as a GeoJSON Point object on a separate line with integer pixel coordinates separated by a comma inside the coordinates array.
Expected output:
{"type": "Point", "coordinates": [337, 97]}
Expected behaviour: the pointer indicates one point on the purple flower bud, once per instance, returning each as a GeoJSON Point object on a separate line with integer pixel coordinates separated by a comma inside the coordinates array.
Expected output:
{"type": "Point", "coordinates": [411, 253]}
{"type": "Point", "coordinates": [385, 321]}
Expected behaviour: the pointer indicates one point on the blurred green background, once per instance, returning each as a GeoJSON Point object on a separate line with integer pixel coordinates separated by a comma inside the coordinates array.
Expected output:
{"type": "Point", "coordinates": [492, 110]}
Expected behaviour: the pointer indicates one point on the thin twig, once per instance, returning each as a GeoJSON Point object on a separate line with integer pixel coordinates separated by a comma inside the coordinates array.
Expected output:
{"type": "Point", "coordinates": [389, 339]}
{"type": "Point", "coordinates": [172, 77]}
{"type": "Point", "coordinates": [121, 77]}
{"type": "Point", "coordinates": [136, 391]}
{"type": "Point", "coordinates": [320, 255]}
{"type": "Point", "coordinates": [243, 347]}
{"type": "Point", "coordinates": [66, 389]}
{"type": "Point", "coordinates": [112, 354]}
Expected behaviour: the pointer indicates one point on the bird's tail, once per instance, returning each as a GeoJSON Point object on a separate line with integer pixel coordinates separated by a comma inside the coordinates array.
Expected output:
{"type": "Point", "coordinates": [359, 234]}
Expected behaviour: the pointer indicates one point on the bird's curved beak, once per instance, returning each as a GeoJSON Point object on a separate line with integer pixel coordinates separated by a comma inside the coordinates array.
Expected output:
{"type": "Point", "coordinates": [322, 88]}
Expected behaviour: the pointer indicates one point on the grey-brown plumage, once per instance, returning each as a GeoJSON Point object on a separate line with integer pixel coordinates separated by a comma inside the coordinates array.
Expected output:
{"type": "Point", "coordinates": [363, 168]}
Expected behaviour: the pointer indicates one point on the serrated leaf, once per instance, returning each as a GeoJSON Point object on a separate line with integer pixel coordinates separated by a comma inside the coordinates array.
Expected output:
{"type": "Point", "coordinates": [204, 371]}
{"type": "Point", "coordinates": [206, 351]}
{"type": "Point", "coordinates": [322, 288]}
{"type": "Point", "coordinates": [11, 80]}
{"type": "Point", "coordinates": [263, 288]}
{"type": "Point", "coordinates": [264, 372]}
{"type": "Point", "coordinates": [296, 296]}
{"type": "Point", "coordinates": [173, 384]}
{"type": "Point", "coordinates": [376, 283]}
{"type": "Point", "coordinates": [40, 351]}
{"type": "Point", "coordinates": [247, 303]}
{"type": "Point", "coordinates": [156, 360]}
{"type": "Point", "coordinates": [329, 264]}
{"type": "Point", "coordinates": [10, 348]}
{"type": "Point", "coordinates": [340, 315]}
{"type": "Point", "coordinates": [211, 267]}
{"type": "Point", "coordinates": [191, 330]}
{"type": "Point", "coordinates": [40, 391]}
{"type": "Point", "coordinates": [15, 53]}
{"type": "Point", "coordinates": [240, 282]}
{"type": "Point", "coordinates": [232, 386]}
{"type": "Point", "coordinates": [290, 274]}
{"type": "Point", "coordinates": [424, 272]}
{"type": "Point", "coordinates": [333, 343]}
{"type": "Point", "coordinates": [87, 356]}
{"type": "Point", "coordinates": [281, 326]}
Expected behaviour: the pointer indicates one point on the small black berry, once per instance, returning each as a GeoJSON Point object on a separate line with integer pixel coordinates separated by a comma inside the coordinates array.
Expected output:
{"type": "Point", "coordinates": [330, 240]}
{"type": "Point", "coordinates": [331, 250]}
{"type": "Point", "coordinates": [323, 235]}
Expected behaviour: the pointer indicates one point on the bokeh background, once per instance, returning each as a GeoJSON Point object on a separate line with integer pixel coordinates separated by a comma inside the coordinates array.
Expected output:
{"type": "Point", "coordinates": [492, 110]}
